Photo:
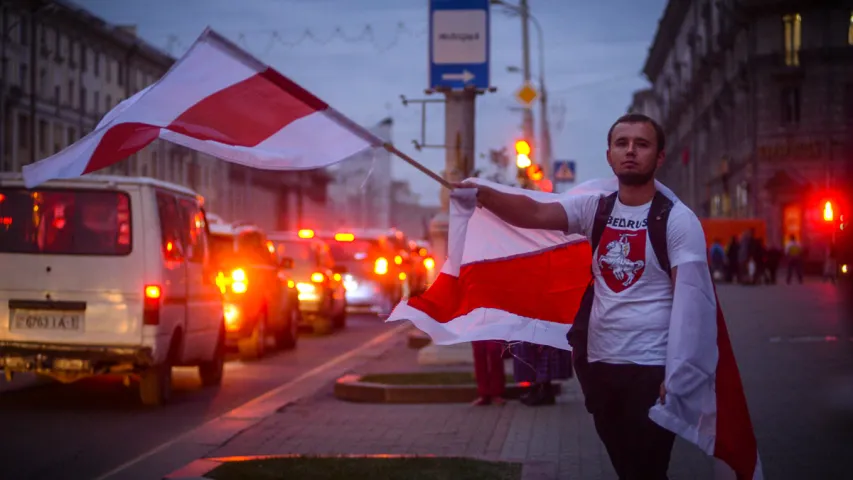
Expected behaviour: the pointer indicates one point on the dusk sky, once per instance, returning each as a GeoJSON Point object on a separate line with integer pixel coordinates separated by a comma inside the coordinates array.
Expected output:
{"type": "Point", "coordinates": [594, 52]}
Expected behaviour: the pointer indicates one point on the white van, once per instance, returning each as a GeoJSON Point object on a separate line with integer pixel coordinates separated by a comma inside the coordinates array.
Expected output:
{"type": "Point", "coordinates": [107, 275]}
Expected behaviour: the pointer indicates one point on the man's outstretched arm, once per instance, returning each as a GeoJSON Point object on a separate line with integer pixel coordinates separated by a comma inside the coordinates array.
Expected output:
{"type": "Point", "coordinates": [520, 210]}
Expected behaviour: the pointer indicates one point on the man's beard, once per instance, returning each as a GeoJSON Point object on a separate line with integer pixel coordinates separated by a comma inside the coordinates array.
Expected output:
{"type": "Point", "coordinates": [635, 179]}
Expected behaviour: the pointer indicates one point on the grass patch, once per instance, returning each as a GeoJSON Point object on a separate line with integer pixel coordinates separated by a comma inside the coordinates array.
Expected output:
{"type": "Point", "coordinates": [316, 468]}
{"type": "Point", "coordinates": [425, 378]}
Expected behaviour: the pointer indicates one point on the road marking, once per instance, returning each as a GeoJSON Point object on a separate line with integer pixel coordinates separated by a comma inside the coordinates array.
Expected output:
{"type": "Point", "coordinates": [809, 339]}
{"type": "Point", "coordinates": [258, 401]}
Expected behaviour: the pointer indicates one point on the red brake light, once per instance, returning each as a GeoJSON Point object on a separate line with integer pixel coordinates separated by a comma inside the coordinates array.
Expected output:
{"type": "Point", "coordinates": [153, 292]}
{"type": "Point", "coordinates": [151, 305]}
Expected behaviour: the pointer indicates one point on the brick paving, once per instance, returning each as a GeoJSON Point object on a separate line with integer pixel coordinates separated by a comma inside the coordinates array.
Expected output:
{"type": "Point", "coordinates": [553, 441]}
{"type": "Point", "coordinates": [783, 374]}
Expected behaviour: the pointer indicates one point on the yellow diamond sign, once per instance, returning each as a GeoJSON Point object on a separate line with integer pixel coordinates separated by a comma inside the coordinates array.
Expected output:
{"type": "Point", "coordinates": [526, 94]}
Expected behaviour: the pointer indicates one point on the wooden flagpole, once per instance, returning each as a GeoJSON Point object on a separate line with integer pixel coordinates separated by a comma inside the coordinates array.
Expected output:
{"type": "Point", "coordinates": [411, 161]}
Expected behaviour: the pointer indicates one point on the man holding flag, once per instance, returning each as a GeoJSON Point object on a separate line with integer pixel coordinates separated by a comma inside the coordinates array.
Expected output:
{"type": "Point", "coordinates": [643, 337]}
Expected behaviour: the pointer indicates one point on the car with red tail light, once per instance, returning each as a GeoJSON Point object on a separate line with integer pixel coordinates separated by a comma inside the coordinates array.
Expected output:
{"type": "Point", "coordinates": [108, 275]}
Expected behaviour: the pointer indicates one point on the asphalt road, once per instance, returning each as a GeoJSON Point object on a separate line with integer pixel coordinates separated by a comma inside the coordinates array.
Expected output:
{"type": "Point", "coordinates": [795, 354]}
{"type": "Point", "coordinates": [85, 429]}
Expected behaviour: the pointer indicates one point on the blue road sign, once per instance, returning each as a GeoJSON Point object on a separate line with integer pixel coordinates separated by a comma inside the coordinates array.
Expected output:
{"type": "Point", "coordinates": [459, 44]}
{"type": "Point", "coordinates": [564, 171]}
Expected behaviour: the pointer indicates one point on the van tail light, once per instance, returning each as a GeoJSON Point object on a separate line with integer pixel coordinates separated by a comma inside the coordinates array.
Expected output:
{"type": "Point", "coordinates": [318, 277]}
{"type": "Point", "coordinates": [151, 305]}
{"type": "Point", "coordinates": [381, 266]}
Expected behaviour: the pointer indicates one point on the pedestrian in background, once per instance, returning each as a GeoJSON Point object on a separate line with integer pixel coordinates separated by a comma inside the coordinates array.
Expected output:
{"type": "Point", "coordinates": [774, 256]}
{"type": "Point", "coordinates": [733, 254]}
{"type": "Point", "coordinates": [539, 365]}
{"type": "Point", "coordinates": [794, 253]}
{"type": "Point", "coordinates": [718, 259]}
{"type": "Point", "coordinates": [489, 371]}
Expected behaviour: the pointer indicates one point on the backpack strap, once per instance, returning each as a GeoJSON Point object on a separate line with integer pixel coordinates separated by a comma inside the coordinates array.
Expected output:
{"type": "Point", "coordinates": [602, 214]}
{"type": "Point", "coordinates": [657, 224]}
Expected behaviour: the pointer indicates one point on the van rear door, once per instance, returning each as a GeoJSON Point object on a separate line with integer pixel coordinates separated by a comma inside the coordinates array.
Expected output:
{"type": "Point", "coordinates": [72, 266]}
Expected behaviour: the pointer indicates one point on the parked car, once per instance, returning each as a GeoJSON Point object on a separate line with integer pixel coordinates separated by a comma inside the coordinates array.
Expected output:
{"type": "Point", "coordinates": [260, 298]}
{"type": "Point", "coordinates": [319, 280]}
{"type": "Point", "coordinates": [108, 275]}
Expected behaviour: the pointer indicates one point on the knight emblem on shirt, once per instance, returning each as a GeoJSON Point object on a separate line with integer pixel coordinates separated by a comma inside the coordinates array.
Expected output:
{"type": "Point", "coordinates": [622, 257]}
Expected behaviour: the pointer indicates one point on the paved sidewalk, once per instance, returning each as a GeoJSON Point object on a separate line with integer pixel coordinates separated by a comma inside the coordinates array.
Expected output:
{"type": "Point", "coordinates": [553, 442]}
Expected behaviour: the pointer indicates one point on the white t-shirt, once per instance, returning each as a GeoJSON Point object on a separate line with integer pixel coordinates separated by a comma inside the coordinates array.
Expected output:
{"type": "Point", "coordinates": [633, 295]}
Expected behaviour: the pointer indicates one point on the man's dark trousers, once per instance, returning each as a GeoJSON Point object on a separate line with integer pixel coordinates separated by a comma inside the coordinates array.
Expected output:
{"type": "Point", "coordinates": [619, 397]}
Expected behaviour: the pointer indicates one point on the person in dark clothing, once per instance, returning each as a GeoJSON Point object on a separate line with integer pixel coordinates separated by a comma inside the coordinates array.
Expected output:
{"type": "Point", "coordinates": [759, 257]}
{"type": "Point", "coordinates": [774, 257]}
{"type": "Point", "coordinates": [733, 252]}
{"type": "Point", "coordinates": [539, 365]}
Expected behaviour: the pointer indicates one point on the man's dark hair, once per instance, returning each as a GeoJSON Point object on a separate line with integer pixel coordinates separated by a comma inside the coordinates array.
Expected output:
{"type": "Point", "coordinates": [639, 118]}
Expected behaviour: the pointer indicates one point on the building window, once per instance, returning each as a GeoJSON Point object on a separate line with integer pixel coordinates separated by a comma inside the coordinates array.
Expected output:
{"type": "Point", "coordinates": [24, 74]}
{"type": "Point", "coordinates": [742, 199]}
{"type": "Point", "coordinates": [83, 53]}
{"type": "Point", "coordinates": [850, 30]}
{"type": "Point", "coordinates": [23, 131]}
{"type": "Point", "coordinates": [793, 38]}
{"type": "Point", "coordinates": [71, 93]}
{"type": "Point", "coordinates": [790, 105]}
{"type": "Point", "coordinates": [57, 93]}
{"type": "Point", "coordinates": [83, 96]}
{"type": "Point", "coordinates": [120, 70]}
{"type": "Point", "coordinates": [42, 88]}
{"type": "Point", "coordinates": [109, 104]}
{"type": "Point", "coordinates": [43, 136]}
{"type": "Point", "coordinates": [57, 138]}
{"type": "Point", "coordinates": [96, 99]}
{"type": "Point", "coordinates": [72, 136]}
{"type": "Point", "coordinates": [108, 69]}
{"type": "Point", "coordinates": [24, 31]}
{"type": "Point", "coordinates": [97, 65]}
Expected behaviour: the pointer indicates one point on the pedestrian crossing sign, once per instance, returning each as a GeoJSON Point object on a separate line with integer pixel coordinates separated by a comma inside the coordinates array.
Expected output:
{"type": "Point", "coordinates": [564, 171]}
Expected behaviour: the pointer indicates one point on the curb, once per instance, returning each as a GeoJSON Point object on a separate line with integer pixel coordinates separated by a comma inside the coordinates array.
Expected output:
{"type": "Point", "coordinates": [187, 448]}
{"type": "Point", "coordinates": [417, 340]}
{"type": "Point", "coordinates": [351, 388]}
{"type": "Point", "coordinates": [197, 469]}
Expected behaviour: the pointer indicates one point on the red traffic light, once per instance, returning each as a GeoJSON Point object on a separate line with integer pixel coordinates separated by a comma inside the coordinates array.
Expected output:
{"type": "Point", "coordinates": [828, 211]}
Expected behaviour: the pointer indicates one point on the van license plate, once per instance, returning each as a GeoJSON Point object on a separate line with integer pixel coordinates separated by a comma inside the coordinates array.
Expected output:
{"type": "Point", "coordinates": [47, 320]}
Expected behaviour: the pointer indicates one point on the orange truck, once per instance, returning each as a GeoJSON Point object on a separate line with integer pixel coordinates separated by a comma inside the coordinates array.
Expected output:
{"type": "Point", "coordinates": [726, 228]}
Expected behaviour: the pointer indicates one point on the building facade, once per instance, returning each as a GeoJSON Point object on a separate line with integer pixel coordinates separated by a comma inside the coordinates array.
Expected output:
{"type": "Point", "coordinates": [756, 98]}
{"type": "Point", "coordinates": [64, 68]}
{"type": "Point", "coordinates": [361, 192]}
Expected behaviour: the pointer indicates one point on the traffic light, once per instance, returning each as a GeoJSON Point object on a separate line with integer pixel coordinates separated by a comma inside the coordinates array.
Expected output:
{"type": "Point", "coordinates": [535, 173]}
{"type": "Point", "coordinates": [828, 211]}
{"type": "Point", "coordinates": [522, 154]}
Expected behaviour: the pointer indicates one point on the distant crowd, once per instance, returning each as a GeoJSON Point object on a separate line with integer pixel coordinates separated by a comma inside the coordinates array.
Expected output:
{"type": "Point", "coordinates": [748, 261]}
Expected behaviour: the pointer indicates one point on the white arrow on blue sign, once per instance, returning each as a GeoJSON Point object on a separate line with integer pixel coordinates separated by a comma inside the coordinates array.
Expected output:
{"type": "Point", "coordinates": [459, 44]}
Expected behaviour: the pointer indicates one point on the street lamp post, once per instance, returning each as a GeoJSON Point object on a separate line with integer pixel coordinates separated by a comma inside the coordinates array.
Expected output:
{"type": "Point", "coordinates": [545, 135]}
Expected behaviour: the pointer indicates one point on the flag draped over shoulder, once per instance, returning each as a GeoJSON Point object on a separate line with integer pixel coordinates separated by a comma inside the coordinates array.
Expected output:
{"type": "Point", "coordinates": [219, 100]}
{"type": "Point", "coordinates": [504, 283]}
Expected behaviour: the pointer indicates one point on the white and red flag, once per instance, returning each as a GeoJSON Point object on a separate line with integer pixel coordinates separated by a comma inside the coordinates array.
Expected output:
{"type": "Point", "coordinates": [504, 283]}
{"type": "Point", "coordinates": [219, 100]}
